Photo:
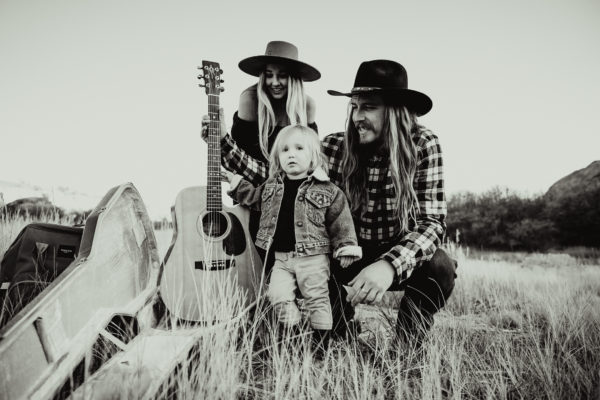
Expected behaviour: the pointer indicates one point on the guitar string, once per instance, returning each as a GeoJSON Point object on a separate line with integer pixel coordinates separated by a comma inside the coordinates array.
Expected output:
{"type": "Point", "coordinates": [214, 164]}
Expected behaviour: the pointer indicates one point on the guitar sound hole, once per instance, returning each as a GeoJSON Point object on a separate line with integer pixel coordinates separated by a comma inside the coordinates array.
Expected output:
{"type": "Point", "coordinates": [214, 224]}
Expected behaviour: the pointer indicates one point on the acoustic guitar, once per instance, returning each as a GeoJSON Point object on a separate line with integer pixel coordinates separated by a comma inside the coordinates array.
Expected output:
{"type": "Point", "coordinates": [211, 270]}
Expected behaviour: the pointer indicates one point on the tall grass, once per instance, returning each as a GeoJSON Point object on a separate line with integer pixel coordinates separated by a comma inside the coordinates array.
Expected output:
{"type": "Point", "coordinates": [11, 225]}
{"type": "Point", "coordinates": [525, 328]}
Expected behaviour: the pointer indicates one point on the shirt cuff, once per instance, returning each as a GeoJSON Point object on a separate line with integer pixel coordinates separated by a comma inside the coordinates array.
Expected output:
{"type": "Point", "coordinates": [352, 251]}
{"type": "Point", "coordinates": [402, 270]}
{"type": "Point", "coordinates": [235, 181]}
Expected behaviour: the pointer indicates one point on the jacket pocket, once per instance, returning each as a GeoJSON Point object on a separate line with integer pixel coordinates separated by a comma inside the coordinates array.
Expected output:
{"type": "Point", "coordinates": [317, 203]}
{"type": "Point", "coordinates": [267, 197]}
{"type": "Point", "coordinates": [266, 209]}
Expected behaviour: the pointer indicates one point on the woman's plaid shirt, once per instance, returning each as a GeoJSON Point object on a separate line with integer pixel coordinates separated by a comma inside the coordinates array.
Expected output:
{"type": "Point", "coordinates": [377, 226]}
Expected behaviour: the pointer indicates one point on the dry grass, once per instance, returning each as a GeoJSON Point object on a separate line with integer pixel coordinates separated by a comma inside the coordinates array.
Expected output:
{"type": "Point", "coordinates": [10, 226]}
{"type": "Point", "coordinates": [528, 328]}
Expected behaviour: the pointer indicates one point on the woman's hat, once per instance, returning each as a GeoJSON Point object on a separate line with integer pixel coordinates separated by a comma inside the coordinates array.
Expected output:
{"type": "Point", "coordinates": [389, 79]}
{"type": "Point", "coordinates": [279, 52]}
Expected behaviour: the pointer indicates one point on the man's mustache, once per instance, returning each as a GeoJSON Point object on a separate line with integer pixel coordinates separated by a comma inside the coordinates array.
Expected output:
{"type": "Point", "coordinates": [364, 125]}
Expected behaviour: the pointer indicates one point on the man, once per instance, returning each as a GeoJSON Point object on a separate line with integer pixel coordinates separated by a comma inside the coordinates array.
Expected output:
{"type": "Point", "coordinates": [390, 167]}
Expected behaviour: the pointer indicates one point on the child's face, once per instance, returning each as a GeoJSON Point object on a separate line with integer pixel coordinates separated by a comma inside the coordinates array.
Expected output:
{"type": "Point", "coordinates": [294, 155]}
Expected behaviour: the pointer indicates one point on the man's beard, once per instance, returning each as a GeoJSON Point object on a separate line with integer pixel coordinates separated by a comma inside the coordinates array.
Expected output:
{"type": "Point", "coordinates": [376, 147]}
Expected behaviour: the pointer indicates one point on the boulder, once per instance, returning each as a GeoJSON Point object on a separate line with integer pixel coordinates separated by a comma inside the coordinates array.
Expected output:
{"type": "Point", "coordinates": [583, 180]}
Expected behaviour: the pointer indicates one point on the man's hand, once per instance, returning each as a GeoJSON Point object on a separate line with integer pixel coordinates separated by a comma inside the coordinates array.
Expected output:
{"type": "Point", "coordinates": [206, 122]}
{"type": "Point", "coordinates": [371, 283]}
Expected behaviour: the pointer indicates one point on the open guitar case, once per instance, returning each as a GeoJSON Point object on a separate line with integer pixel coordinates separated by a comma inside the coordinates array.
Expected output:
{"type": "Point", "coordinates": [99, 285]}
{"type": "Point", "coordinates": [39, 254]}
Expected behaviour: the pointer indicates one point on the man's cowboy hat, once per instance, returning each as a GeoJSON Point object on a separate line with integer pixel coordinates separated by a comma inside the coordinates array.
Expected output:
{"type": "Point", "coordinates": [389, 79]}
{"type": "Point", "coordinates": [279, 52]}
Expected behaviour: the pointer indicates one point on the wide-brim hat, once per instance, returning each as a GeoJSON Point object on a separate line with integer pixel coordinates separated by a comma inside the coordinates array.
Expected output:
{"type": "Point", "coordinates": [279, 52]}
{"type": "Point", "coordinates": [389, 79]}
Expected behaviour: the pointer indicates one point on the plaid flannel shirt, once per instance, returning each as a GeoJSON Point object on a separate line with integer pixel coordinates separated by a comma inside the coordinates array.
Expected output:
{"type": "Point", "coordinates": [377, 225]}
{"type": "Point", "coordinates": [235, 159]}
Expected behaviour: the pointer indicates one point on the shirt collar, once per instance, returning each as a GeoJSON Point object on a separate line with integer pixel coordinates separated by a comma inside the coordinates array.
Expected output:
{"type": "Point", "coordinates": [376, 161]}
{"type": "Point", "coordinates": [318, 174]}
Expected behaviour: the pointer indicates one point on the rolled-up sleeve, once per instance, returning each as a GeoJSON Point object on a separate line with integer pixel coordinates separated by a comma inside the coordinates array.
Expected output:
{"type": "Point", "coordinates": [419, 244]}
{"type": "Point", "coordinates": [237, 160]}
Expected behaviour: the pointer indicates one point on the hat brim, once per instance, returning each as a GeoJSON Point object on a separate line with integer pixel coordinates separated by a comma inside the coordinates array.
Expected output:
{"type": "Point", "coordinates": [255, 65]}
{"type": "Point", "coordinates": [415, 101]}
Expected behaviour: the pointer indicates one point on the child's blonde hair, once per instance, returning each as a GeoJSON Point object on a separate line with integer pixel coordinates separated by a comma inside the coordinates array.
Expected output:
{"type": "Point", "coordinates": [312, 141]}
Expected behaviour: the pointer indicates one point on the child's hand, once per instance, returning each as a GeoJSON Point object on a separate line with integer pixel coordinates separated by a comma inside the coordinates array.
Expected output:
{"type": "Point", "coordinates": [347, 255]}
{"type": "Point", "coordinates": [345, 261]}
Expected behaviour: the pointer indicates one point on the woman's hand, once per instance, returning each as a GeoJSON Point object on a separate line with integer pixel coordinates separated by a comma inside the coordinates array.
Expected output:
{"type": "Point", "coordinates": [226, 176]}
{"type": "Point", "coordinates": [214, 124]}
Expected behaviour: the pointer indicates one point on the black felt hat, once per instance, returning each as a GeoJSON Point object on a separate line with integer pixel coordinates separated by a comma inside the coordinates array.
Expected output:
{"type": "Point", "coordinates": [389, 79]}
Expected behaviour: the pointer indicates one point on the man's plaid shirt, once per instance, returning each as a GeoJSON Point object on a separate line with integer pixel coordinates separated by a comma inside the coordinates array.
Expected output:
{"type": "Point", "coordinates": [377, 225]}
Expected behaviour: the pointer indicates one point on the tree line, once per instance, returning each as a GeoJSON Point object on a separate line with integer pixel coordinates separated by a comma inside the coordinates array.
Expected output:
{"type": "Point", "coordinates": [501, 219]}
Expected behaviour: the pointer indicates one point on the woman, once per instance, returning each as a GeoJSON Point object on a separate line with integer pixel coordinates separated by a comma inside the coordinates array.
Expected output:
{"type": "Point", "coordinates": [277, 100]}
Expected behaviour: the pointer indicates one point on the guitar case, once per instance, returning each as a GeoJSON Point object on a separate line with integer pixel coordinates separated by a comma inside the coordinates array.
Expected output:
{"type": "Point", "coordinates": [39, 254]}
{"type": "Point", "coordinates": [51, 346]}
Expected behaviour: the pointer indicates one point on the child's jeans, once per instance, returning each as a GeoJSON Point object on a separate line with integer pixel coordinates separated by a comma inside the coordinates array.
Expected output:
{"type": "Point", "coordinates": [309, 274]}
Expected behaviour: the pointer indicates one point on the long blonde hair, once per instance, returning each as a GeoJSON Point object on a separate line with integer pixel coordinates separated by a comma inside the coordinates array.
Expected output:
{"type": "Point", "coordinates": [295, 108]}
{"type": "Point", "coordinates": [312, 141]}
{"type": "Point", "coordinates": [398, 128]}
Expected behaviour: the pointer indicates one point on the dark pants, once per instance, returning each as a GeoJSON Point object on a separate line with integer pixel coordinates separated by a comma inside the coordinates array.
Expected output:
{"type": "Point", "coordinates": [425, 292]}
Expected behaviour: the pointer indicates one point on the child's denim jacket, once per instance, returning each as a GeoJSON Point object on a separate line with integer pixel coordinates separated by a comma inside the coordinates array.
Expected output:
{"type": "Point", "coordinates": [322, 219]}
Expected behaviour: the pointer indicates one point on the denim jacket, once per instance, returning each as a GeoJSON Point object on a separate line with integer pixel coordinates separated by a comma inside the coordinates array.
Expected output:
{"type": "Point", "coordinates": [322, 219]}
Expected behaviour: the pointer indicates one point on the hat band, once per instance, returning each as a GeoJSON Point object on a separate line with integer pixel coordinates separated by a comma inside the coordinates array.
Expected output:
{"type": "Point", "coordinates": [360, 89]}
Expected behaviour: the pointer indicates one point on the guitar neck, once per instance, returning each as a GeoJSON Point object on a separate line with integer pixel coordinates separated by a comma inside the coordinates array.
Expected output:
{"type": "Point", "coordinates": [213, 192]}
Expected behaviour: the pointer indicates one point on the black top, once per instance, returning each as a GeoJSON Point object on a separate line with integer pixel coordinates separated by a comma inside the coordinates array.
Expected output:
{"type": "Point", "coordinates": [284, 238]}
{"type": "Point", "coordinates": [245, 134]}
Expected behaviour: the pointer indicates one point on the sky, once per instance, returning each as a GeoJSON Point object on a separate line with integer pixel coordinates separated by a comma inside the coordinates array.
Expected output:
{"type": "Point", "coordinates": [98, 93]}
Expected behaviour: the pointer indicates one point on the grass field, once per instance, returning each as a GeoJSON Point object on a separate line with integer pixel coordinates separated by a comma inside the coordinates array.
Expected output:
{"type": "Point", "coordinates": [524, 328]}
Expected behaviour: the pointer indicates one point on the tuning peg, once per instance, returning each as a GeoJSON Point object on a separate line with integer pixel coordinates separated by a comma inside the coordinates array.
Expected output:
{"type": "Point", "coordinates": [222, 89]}
{"type": "Point", "coordinates": [222, 81]}
{"type": "Point", "coordinates": [201, 85]}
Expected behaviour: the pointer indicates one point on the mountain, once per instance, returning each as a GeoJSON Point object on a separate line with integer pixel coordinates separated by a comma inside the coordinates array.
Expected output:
{"type": "Point", "coordinates": [572, 203]}
{"type": "Point", "coordinates": [60, 196]}
{"type": "Point", "coordinates": [583, 180]}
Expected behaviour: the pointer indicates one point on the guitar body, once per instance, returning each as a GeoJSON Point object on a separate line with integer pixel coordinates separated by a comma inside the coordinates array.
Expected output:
{"type": "Point", "coordinates": [211, 270]}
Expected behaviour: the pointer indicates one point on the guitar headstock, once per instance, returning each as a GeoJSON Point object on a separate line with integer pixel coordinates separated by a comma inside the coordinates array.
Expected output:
{"type": "Point", "coordinates": [211, 74]}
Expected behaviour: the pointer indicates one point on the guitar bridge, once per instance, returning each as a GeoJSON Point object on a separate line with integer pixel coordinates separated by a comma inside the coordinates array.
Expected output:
{"type": "Point", "coordinates": [215, 265]}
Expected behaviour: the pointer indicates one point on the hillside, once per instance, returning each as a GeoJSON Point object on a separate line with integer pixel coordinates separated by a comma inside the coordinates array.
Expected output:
{"type": "Point", "coordinates": [583, 180]}
{"type": "Point", "coordinates": [60, 196]}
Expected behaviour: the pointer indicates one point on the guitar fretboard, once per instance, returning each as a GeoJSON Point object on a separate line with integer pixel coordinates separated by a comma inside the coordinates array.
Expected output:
{"type": "Point", "coordinates": [213, 192]}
